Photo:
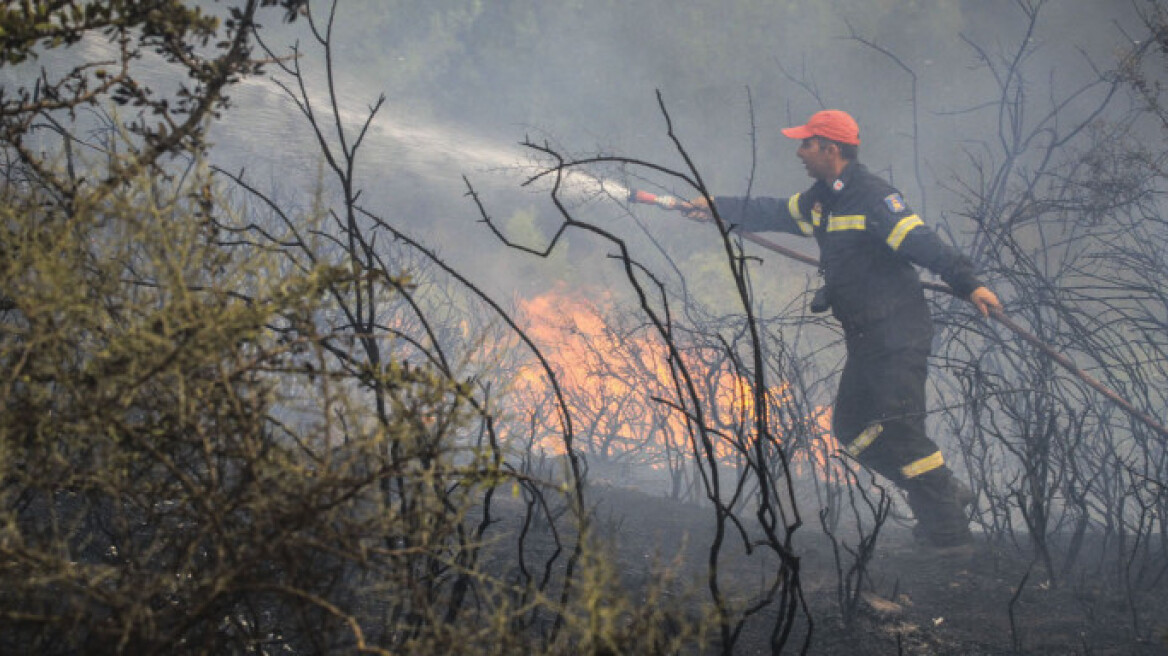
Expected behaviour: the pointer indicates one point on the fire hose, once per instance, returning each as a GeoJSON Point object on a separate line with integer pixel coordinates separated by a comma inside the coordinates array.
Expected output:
{"type": "Point", "coordinates": [688, 210]}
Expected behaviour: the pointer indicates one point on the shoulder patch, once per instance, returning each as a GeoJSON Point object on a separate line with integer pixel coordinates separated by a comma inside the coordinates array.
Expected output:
{"type": "Point", "coordinates": [895, 203]}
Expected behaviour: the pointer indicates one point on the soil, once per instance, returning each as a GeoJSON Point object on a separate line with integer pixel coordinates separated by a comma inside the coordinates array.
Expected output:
{"type": "Point", "coordinates": [916, 600]}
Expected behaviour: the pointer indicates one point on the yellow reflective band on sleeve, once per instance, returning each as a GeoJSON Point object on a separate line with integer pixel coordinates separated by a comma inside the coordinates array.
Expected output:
{"type": "Point", "coordinates": [922, 466]}
{"type": "Point", "coordinates": [793, 207]}
{"type": "Point", "coordinates": [903, 227]}
{"type": "Point", "coordinates": [865, 438]}
{"type": "Point", "coordinates": [846, 222]}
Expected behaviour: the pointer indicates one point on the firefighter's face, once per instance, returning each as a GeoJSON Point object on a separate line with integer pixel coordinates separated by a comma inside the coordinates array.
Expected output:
{"type": "Point", "coordinates": [818, 158]}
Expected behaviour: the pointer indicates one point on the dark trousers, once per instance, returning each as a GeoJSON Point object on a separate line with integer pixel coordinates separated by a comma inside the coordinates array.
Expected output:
{"type": "Point", "coordinates": [883, 383]}
{"type": "Point", "coordinates": [880, 418]}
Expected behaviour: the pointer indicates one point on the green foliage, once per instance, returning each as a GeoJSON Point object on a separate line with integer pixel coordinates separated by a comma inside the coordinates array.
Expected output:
{"type": "Point", "coordinates": [151, 490]}
{"type": "Point", "coordinates": [186, 471]}
{"type": "Point", "coordinates": [205, 53]}
{"type": "Point", "coordinates": [199, 451]}
{"type": "Point", "coordinates": [27, 26]}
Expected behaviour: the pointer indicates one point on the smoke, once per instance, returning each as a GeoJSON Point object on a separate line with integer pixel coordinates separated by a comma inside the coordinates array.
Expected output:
{"type": "Point", "coordinates": [924, 82]}
{"type": "Point", "coordinates": [465, 92]}
{"type": "Point", "coordinates": [730, 75]}
{"type": "Point", "coordinates": [465, 86]}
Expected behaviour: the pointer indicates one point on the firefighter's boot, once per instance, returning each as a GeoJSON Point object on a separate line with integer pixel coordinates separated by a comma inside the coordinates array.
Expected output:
{"type": "Point", "coordinates": [939, 501]}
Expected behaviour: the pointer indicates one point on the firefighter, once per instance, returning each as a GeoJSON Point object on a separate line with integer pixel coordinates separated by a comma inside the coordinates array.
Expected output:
{"type": "Point", "coordinates": [869, 239]}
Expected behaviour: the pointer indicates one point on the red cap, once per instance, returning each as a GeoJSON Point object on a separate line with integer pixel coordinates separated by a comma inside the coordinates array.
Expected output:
{"type": "Point", "coordinates": [829, 124]}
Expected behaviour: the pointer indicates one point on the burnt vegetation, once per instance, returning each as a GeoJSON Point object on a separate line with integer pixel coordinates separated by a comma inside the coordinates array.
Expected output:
{"type": "Point", "coordinates": [240, 421]}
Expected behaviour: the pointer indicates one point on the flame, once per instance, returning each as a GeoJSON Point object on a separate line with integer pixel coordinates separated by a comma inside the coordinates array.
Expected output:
{"type": "Point", "coordinates": [614, 381]}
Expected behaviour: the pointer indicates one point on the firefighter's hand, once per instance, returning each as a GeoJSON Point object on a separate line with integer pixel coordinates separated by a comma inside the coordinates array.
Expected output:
{"type": "Point", "coordinates": [699, 209]}
{"type": "Point", "coordinates": [985, 301]}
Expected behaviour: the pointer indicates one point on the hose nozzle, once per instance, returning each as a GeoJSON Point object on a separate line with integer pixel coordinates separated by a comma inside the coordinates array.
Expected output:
{"type": "Point", "coordinates": [664, 202]}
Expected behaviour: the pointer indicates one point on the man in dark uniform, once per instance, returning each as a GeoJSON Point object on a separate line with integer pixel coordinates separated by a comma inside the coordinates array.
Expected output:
{"type": "Point", "coordinates": [869, 240]}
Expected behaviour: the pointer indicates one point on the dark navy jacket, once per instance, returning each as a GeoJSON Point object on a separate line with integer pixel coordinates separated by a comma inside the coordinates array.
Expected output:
{"type": "Point", "coordinates": [868, 241]}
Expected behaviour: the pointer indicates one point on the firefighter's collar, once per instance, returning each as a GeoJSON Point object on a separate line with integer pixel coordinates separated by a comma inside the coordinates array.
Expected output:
{"type": "Point", "coordinates": [844, 178]}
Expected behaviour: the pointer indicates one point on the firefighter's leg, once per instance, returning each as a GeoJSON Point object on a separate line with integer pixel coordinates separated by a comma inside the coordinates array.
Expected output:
{"type": "Point", "coordinates": [893, 441]}
{"type": "Point", "coordinates": [852, 413]}
{"type": "Point", "coordinates": [934, 494]}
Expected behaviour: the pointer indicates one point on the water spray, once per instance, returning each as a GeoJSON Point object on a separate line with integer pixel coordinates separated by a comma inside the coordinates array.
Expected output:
{"type": "Point", "coordinates": [585, 185]}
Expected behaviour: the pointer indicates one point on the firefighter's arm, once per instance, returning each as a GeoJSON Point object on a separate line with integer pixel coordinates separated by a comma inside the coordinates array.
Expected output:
{"type": "Point", "coordinates": [904, 232]}
{"type": "Point", "coordinates": [791, 215]}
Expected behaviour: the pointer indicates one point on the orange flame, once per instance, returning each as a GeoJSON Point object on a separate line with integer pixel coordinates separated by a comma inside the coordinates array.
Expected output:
{"type": "Point", "coordinates": [613, 383]}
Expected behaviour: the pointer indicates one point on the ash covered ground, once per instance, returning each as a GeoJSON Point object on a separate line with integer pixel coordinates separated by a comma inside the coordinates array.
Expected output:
{"type": "Point", "coordinates": [993, 599]}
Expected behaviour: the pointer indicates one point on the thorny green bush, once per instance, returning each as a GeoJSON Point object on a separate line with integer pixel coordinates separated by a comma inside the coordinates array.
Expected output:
{"type": "Point", "coordinates": [174, 473]}
{"type": "Point", "coordinates": [187, 468]}
{"type": "Point", "coordinates": [195, 456]}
